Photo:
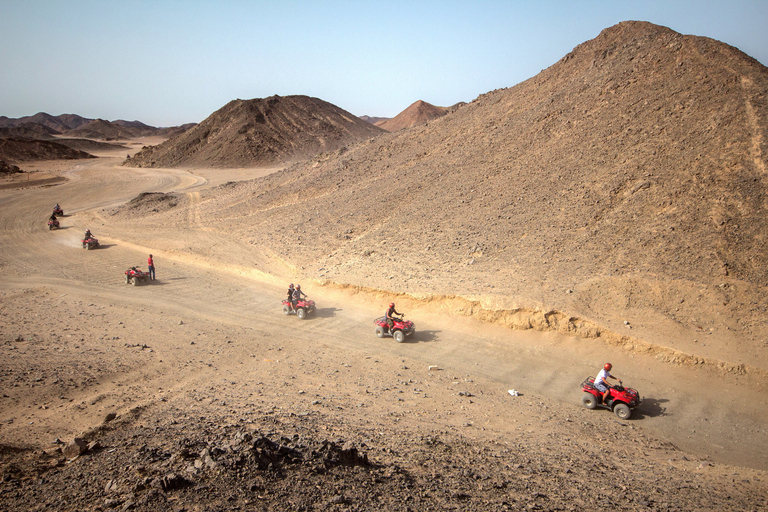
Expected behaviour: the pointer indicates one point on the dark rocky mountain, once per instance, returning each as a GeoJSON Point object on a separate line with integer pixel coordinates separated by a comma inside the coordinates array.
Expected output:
{"type": "Point", "coordinates": [29, 131]}
{"type": "Point", "coordinates": [23, 150]}
{"type": "Point", "coordinates": [417, 113]}
{"type": "Point", "coordinates": [260, 132]}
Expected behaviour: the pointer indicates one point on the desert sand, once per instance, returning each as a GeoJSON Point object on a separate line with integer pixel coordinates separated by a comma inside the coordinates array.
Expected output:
{"type": "Point", "coordinates": [205, 351]}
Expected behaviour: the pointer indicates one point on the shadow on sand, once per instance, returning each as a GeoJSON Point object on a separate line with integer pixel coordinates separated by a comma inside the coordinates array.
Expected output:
{"type": "Point", "coordinates": [326, 312]}
{"type": "Point", "coordinates": [651, 408]}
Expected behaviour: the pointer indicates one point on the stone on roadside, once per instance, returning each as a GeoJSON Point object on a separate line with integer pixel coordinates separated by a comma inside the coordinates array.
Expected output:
{"type": "Point", "coordinates": [75, 448]}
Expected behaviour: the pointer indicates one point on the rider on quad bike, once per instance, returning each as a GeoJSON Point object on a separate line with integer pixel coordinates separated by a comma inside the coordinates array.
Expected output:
{"type": "Point", "coordinates": [296, 296]}
{"type": "Point", "coordinates": [87, 234]}
{"type": "Point", "coordinates": [601, 384]}
{"type": "Point", "coordinates": [389, 315]}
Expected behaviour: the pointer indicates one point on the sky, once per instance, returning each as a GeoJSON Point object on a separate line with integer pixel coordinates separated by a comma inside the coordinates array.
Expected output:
{"type": "Point", "coordinates": [171, 62]}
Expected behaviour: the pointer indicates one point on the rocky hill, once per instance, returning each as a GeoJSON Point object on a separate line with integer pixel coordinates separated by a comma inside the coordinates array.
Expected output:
{"type": "Point", "coordinates": [28, 131]}
{"type": "Point", "coordinates": [22, 150]}
{"type": "Point", "coordinates": [624, 186]}
{"type": "Point", "coordinates": [419, 112]}
{"type": "Point", "coordinates": [260, 132]}
{"type": "Point", "coordinates": [107, 130]}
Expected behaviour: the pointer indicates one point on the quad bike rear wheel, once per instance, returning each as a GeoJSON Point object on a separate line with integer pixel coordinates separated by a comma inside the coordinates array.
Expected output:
{"type": "Point", "coordinates": [380, 331]}
{"type": "Point", "coordinates": [399, 336]}
{"type": "Point", "coordinates": [589, 400]}
{"type": "Point", "coordinates": [286, 309]}
{"type": "Point", "coordinates": [127, 279]}
{"type": "Point", "coordinates": [135, 281]}
{"type": "Point", "coordinates": [301, 313]}
{"type": "Point", "coordinates": [622, 411]}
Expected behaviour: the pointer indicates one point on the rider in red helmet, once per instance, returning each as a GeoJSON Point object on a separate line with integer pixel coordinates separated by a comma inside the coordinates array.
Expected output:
{"type": "Point", "coordinates": [601, 384]}
{"type": "Point", "coordinates": [390, 315]}
{"type": "Point", "coordinates": [297, 294]}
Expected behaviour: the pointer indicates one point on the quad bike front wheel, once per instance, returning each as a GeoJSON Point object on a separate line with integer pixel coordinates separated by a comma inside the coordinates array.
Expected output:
{"type": "Point", "coordinates": [589, 400]}
{"type": "Point", "coordinates": [622, 411]}
{"type": "Point", "coordinates": [399, 336]}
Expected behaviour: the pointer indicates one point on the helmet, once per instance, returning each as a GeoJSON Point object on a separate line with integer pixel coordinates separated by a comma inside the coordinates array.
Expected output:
{"type": "Point", "coordinates": [391, 304]}
{"type": "Point", "coordinates": [298, 287]}
{"type": "Point", "coordinates": [608, 367]}
{"type": "Point", "coordinates": [290, 285]}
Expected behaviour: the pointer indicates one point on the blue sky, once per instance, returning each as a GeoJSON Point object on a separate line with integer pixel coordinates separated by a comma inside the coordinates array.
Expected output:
{"type": "Point", "coordinates": [170, 62]}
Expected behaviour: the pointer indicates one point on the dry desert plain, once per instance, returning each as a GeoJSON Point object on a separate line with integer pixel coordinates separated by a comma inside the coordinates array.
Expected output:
{"type": "Point", "coordinates": [203, 359]}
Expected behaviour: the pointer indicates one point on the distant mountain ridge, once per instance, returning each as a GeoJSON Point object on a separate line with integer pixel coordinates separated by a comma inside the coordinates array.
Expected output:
{"type": "Point", "coordinates": [44, 126]}
{"type": "Point", "coordinates": [260, 132]}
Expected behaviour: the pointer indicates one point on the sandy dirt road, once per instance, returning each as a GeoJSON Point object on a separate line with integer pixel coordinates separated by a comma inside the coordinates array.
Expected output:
{"type": "Point", "coordinates": [78, 342]}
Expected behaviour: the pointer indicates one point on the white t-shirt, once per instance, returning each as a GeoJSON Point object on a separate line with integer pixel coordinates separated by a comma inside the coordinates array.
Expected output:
{"type": "Point", "coordinates": [601, 376]}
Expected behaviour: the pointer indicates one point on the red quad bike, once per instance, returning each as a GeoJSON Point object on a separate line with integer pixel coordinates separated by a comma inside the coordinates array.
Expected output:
{"type": "Point", "coordinates": [58, 211]}
{"type": "Point", "coordinates": [401, 329]}
{"type": "Point", "coordinates": [135, 276]}
{"type": "Point", "coordinates": [90, 243]}
{"type": "Point", "coordinates": [53, 224]}
{"type": "Point", "coordinates": [303, 308]}
{"type": "Point", "coordinates": [620, 400]}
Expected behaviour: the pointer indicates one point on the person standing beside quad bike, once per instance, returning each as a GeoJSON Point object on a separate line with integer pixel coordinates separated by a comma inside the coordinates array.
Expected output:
{"type": "Point", "coordinates": [290, 297]}
{"type": "Point", "coordinates": [151, 267]}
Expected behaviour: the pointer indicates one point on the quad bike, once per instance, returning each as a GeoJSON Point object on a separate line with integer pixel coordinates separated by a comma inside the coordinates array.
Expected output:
{"type": "Point", "coordinates": [303, 308]}
{"type": "Point", "coordinates": [90, 243]}
{"type": "Point", "coordinates": [53, 223]}
{"type": "Point", "coordinates": [135, 276]}
{"type": "Point", "coordinates": [620, 400]}
{"type": "Point", "coordinates": [58, 211]}
{"type": "Point", "coordinates": [400, 330]}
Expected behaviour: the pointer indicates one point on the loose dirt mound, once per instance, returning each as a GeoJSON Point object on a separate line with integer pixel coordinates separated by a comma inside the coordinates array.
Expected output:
{"type": "Point", "coordinates": [149, 203]}
{"type": "Point", "coordinates": [260, 132]}
{"type": "Point", "coordinates": [5, 168]}
{"type": "Point", "coordinates": [420, 112]}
